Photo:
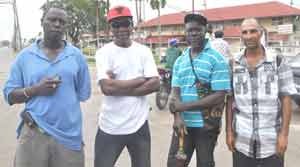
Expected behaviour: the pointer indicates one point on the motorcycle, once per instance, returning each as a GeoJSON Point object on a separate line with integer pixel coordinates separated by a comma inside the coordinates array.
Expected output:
{"type": "Point", "coordinates": [162, 95]}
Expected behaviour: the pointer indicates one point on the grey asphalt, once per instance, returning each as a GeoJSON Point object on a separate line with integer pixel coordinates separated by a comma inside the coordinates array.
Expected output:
{"type": "Point", "coordinates": [160, 125]}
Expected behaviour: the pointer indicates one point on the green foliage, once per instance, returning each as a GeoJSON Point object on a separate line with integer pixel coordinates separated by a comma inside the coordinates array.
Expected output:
{"type": "Point", "coordinates": [157, 4]}
{"type": "Point", "coordinates": [89, 51]}
{"type": "Point", "coordinates": [156, 59]}
{"type": "Point", "coordinates": [91, 60]}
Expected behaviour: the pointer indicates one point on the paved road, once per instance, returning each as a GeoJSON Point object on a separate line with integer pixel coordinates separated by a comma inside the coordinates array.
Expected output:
{"type": "Point", "coordinates": [160, 124]}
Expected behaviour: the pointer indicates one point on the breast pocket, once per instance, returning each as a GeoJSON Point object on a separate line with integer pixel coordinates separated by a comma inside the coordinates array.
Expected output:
{"type": "Point", "coordinates": [240, 84]}
{"type": "Point", "coordinates": [270, 84]}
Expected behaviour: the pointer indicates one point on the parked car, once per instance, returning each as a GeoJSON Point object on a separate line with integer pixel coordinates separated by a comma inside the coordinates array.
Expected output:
{"type": "Point", "coordinates": [294, 63]}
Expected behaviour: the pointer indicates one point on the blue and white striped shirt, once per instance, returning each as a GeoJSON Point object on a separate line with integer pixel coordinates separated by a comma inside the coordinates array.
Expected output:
{"type": "Point", "coordinates": [210, 66]}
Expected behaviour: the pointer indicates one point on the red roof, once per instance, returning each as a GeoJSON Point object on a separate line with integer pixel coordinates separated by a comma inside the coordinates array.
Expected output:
{"type": "Point", "coordinates": [163, 39]}
{"type": "Point", "coordinates": [258, 10]}
{"type": "Point", "coordinates": [169, 19]}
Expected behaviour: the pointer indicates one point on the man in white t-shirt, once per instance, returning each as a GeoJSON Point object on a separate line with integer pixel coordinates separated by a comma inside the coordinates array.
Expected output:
{"type": "Point", "coordinates": [126, 74]}
{"type": "Point", "coordinates": [220, 45]}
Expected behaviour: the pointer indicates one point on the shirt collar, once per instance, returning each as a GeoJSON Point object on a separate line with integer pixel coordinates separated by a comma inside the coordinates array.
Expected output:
{"type": "Point", "coordinates": [270, 56]}
{"type": "Point", "coordinates": [35, 49]}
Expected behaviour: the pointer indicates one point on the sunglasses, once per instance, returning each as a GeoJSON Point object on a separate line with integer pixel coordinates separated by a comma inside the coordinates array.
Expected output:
{"type": "Point", "coordinates": [122, 23]}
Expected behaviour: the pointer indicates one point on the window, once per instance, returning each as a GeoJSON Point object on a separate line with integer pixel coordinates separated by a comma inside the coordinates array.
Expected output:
{"type": "Point", "coordinates": [277, 21]}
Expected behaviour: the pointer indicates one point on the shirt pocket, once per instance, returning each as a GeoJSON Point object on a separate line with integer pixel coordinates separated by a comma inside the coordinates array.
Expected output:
{"type": "Point", "coordinates": [269, 83]}
{"type": "Point", "coordinates": [240, 84]}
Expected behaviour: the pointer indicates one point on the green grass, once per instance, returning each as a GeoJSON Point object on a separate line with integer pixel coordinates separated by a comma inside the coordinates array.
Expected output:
{"type": "Point", "coordinates": [91, 60]}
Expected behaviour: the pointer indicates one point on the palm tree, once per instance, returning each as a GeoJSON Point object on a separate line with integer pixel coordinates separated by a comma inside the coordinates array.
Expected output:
{"type": "Point", "coordinates": [138, 10]}
{"type": "Point", "coordinates": [157, 5]}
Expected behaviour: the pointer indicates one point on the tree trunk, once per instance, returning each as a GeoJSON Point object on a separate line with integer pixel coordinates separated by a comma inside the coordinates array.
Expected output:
{"type": "Point", "coordinates": [140, 11]}
{"type": "Point", "coordinates": [137, 11]}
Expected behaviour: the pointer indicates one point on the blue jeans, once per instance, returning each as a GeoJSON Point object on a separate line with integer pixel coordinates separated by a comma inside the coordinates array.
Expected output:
{"type": "Point", "coordinates": [199, 139]}
{"type": "Point", "coordinates": [109, 147]}
{"type": "Point", "coordinates": [241, 160]}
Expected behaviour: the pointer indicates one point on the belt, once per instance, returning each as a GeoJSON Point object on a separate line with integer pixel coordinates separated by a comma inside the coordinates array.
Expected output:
{"type": "Point", "coordinates": [29, 121]}
{"type": "Point", "coordinates": [35, 126]}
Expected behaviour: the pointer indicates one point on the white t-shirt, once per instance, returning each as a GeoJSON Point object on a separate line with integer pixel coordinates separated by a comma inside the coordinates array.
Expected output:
{"type": "Point", "coordinates": [222, 47]}
{"type": "Point", "coordinates": [124, 114]}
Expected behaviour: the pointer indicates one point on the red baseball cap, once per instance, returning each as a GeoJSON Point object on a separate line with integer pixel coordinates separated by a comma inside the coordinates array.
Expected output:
{"type": "Point", "coordinates": [118, 11]}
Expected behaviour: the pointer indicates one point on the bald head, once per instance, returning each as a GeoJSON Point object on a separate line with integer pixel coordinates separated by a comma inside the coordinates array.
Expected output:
{"type": "Point", "coordinates": [252, 22]}
{"type": "Point", "coordinates": [251, 32]}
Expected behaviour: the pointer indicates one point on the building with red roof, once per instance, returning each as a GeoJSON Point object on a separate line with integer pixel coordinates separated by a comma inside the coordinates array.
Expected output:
{"type": "Point", "coordinates": [281, 21]}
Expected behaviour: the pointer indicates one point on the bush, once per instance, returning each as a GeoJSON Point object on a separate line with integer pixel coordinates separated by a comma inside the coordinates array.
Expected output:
{"type": "Point", "coordinates": [156, 59]}
{"type": "Point", "coordinates": [89, 51]}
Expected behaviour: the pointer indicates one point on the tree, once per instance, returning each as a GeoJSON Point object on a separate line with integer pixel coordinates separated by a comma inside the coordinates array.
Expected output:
{"type": "Point", "coordinates": [138, 10]}
{"type": "Point", "coordinates": [157, 5]}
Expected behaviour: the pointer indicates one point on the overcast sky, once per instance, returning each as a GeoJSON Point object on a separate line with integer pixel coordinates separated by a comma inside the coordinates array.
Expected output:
{"type": "Point", "coordinates": [30, 13]}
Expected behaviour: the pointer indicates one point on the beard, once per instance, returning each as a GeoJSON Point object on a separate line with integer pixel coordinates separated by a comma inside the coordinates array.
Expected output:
{"type": "Point", "coordinates": [55, 36]}
{"type": "Point", "coordinates": [53, 39]}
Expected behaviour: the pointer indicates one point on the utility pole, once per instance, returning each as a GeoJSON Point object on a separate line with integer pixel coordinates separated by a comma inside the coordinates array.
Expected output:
{"type": "Point", "coordinates": [193, 6]}
{"type": "Point", "coordinates": [47, 5]}
{"type": "Point", "coordinates": [17, 40]}
{"type": "Point", "coordinates": [292, 3]}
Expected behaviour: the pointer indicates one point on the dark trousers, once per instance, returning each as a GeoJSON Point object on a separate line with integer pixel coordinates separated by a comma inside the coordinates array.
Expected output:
{"type": "Point", "coordinates": [109, 147]}
{"type": "Point", "coordinates": [199, 139]}
{"type": "Point", "coordinates": [241, 160]}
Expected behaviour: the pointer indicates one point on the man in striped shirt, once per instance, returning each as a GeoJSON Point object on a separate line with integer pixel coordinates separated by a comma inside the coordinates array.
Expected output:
{"type": "Point", "coordinates": [258, 123]}
{"type": "Point", "coordinates": [198, 62]}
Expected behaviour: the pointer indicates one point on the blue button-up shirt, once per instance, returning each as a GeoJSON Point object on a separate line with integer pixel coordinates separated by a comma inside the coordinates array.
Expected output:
{"type": "Point", "coordinates": [59, 115]}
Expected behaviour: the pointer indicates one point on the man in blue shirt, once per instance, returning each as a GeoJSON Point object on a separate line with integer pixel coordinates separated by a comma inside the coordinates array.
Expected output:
{"type": "Point", "coordinates": [199, 65]}
{"type": "Point", "coordinates": [51, 77]}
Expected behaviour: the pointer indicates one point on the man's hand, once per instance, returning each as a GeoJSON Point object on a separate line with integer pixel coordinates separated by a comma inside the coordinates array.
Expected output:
{"type": "Point", "coordinates": [282, 142]}
{"type": "Point", "coordinates": [46, 87]}
{"type": "Point", "coordinates": [178, 125]}
{"type": "Point", "coordinates": [230, 141]}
